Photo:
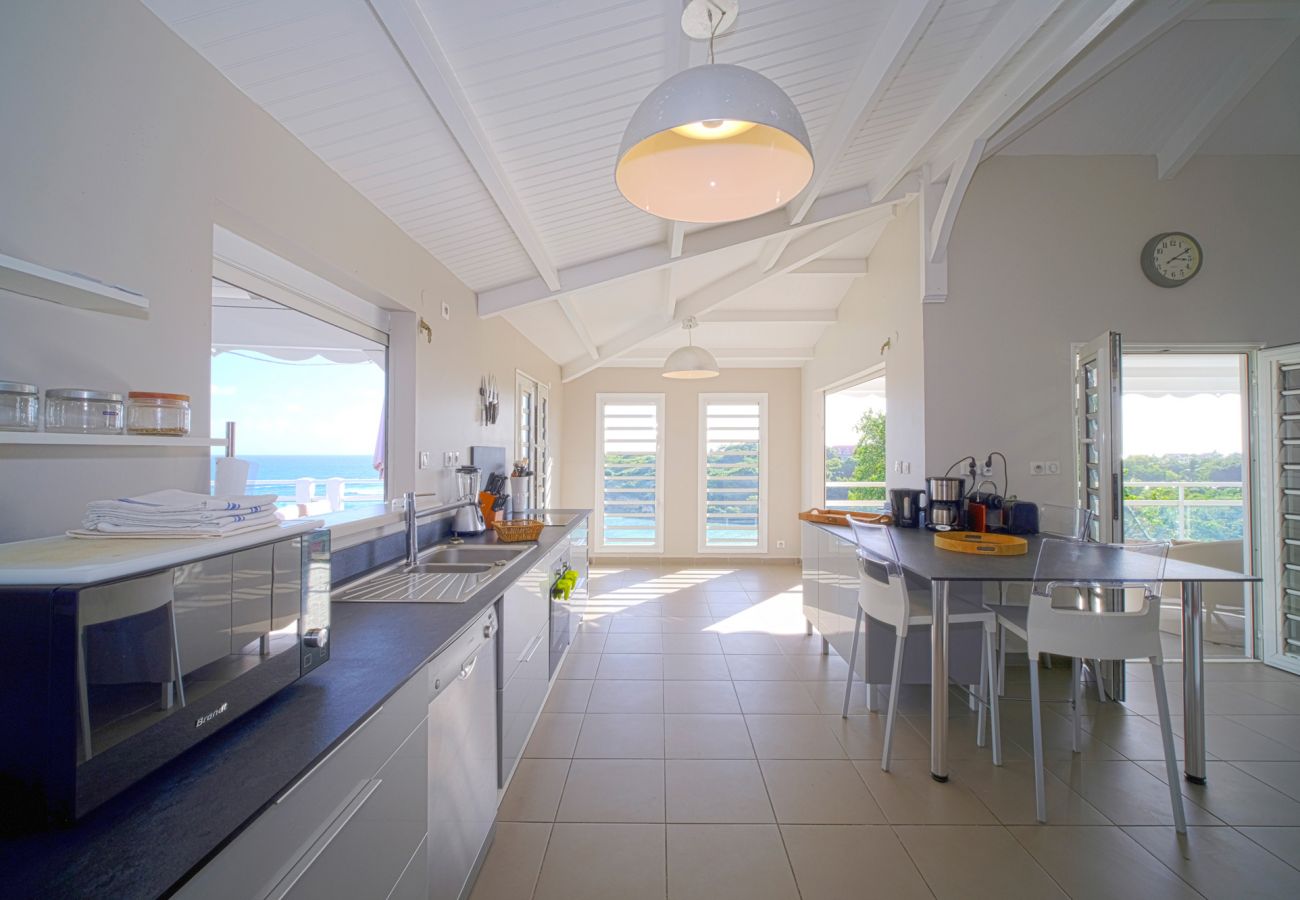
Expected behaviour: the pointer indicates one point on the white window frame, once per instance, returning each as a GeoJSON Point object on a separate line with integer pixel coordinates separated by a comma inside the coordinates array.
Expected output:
{"type": "Point", "coordinates": [702, 452]}
{"type": "Point", "coordinates": [598, 515]}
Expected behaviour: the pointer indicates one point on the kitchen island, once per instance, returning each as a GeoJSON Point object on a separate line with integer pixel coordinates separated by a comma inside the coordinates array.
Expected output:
{"type": "Point", "coordinates": [148, 840]}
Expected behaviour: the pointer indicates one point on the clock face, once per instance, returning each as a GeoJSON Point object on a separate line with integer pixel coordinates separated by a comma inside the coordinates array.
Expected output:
{"type": "Point", "coordinates": [1171, 259]}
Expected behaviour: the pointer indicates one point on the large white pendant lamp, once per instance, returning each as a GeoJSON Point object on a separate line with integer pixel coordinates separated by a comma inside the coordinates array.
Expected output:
{"type": "Point", "coordinates": [714, 143]}
{"type": "Point", "coordinates": [690, 361]}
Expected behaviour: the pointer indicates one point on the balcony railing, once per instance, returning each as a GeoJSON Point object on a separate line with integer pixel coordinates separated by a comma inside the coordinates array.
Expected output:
{"type": "Point", "coordinates": [837, 495]}
{"type": "Point", "coordinates": [1183, 524]}
{"type": "Point", "coordinates": [321, 494]}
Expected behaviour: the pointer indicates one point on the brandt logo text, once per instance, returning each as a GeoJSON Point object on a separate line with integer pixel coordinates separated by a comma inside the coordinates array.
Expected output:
{"type": "Point", "coordinates": [203, 720]}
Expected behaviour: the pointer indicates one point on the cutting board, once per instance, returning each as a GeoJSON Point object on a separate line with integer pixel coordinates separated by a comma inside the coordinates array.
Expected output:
{"type": "Point", "coordinates": [489, 460]}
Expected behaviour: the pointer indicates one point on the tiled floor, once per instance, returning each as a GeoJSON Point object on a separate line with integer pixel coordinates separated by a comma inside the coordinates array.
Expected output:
{"type": "Point", "coordinates": [693, 748]}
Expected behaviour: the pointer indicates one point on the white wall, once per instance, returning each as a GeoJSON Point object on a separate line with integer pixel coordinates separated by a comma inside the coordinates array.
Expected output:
{"type": "Point", "coordinates": [1045, 253]}
{"type": "Point", "coordinates": [884, 305]}
{"type": "Point", "coordinates": [122, 148]}
{"type": "Point", "coordinates": [682, 443]}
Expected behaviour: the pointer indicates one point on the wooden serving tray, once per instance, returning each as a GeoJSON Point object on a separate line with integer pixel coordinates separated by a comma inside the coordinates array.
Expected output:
{"type": "Point", "coordinates": [840, 517]}
{"type": "Point", "coordinates": [980, 544]}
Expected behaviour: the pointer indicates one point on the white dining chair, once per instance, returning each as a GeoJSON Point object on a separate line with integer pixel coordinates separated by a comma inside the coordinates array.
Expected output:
{"type": "Point", "coordinates": [1090, 631]}
{"type": "Point", "coordinates": [883, 595]}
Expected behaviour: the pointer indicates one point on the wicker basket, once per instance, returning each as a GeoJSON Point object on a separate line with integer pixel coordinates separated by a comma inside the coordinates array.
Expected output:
{"type": "Point", "coordinates": [517, 530]}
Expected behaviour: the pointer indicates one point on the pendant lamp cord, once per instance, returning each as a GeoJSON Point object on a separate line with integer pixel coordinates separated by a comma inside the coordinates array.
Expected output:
{"type": "Point", "coordinates": [713, 28]}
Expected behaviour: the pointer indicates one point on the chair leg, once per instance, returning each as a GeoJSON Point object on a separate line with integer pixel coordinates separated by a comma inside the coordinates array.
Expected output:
{"type": "Point", "coordinates": [1040, 795]}
{"type": "Point", "coordinates": [1076, 703]}
{"type": "Point", "coordinates": [1002, 660]}
{"type": "Point", "coordinates": [1167, 734]}
{"type": "Point", "coordinates": [853, 655]}
{"type": "Point", "coordinates": [979, 699]}
{"type": "Point", "coordinates": [895, 686]}
{"type": "Point", "coordinates": [1102, 695]}
{"type": "Point", "coordinates": [995, 718]}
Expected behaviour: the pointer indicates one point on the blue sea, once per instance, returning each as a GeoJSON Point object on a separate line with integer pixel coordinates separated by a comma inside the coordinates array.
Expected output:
{"type": "Point", "coordinates": [278, 474]}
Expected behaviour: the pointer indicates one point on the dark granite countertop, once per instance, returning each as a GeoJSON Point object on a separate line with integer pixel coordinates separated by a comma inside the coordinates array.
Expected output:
{"type": "Point", "coordinates": [147, 840]}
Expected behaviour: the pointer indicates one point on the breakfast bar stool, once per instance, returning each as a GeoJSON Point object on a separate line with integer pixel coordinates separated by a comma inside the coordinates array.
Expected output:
{"type": "Point", "coordinates": [1092, 632]}
{"type": "Point", "coordinates": [884, 596]}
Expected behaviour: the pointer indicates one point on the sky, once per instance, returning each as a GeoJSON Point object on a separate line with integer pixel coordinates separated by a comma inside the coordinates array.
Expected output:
{"type": "Point", "coordinates": [1203, 423]}
{"type": "Point", "coordinates": [314, 407]}
{"type": "Point", "coordinates": [844, 410]}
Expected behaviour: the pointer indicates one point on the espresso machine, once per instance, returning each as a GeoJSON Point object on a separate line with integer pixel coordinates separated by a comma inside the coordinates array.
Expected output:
{"type": "Point", "coordinates": [944, 499]}
{"type": "Point", "coordinates": [906, 506]}
{"type": "Point", "coordinates": [469, 518]}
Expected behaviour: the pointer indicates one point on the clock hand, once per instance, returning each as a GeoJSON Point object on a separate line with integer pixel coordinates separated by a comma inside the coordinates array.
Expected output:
{"type": "Point", "coordinates": [1179, 256]}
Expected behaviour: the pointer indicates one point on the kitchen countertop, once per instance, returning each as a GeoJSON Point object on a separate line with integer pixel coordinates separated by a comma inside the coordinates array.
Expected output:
{"type": "Point", "coordinates": [68, 560]}
{"type": "Point", "coordinates": [145, 841]}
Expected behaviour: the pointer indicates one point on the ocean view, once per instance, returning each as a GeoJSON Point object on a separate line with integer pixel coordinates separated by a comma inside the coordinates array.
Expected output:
{"type": "Point", "coordinates": [277, 474]}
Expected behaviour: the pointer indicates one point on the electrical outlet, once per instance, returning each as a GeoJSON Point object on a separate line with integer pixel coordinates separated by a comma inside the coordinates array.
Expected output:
{"type": "Point", "coordinates": [986, 471]}
{"type": "Point", "coordinates": [780, 545]}
{"type": "Point", "coordinates": [446, 310]}
{"type": "Point", "coordinates": [1038, 468]}
{"type": "Point", "coordinates": [898, 467]}
{"type": "Point", "coordinates": [450, 458]}
{"type": "Point", "coordinates": [424, 459]}
{"type": "Point", "coordinates": [1053, 467]}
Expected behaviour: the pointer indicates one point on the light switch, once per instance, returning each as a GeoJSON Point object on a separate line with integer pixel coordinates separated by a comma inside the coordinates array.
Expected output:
{"type": "Point", "coordinates": [424, 459]}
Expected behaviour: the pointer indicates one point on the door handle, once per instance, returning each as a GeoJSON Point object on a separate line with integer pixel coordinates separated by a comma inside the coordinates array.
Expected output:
{"type": "Point", "coordinates": [322, 844]}
{"type": "Point", "coordinates": [531, 649]}
{"type": "Point", "coordinates": [467, 668]}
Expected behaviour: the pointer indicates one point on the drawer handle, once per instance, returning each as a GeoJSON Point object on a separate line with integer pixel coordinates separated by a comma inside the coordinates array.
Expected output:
{"type": "Point", "coordinates": [527, 655]}
{"type": "Point", "coordinates": [339, 746]}
{"type": "Point", "coordinates": [313, 853]}
{"type": "Point", "coordinates": [467, 668]}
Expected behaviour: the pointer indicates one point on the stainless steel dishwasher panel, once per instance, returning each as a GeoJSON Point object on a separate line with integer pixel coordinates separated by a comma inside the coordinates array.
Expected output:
{"type": "Point", "coordinates": [462, 759]}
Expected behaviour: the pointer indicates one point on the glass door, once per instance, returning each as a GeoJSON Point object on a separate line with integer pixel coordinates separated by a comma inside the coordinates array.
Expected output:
{"type": "Point", "coordinates": [532, 439]}
{"type": "Point", "coordinates": [1279, 477]}
{"type": "Point", "coordinates": [1098, 424]}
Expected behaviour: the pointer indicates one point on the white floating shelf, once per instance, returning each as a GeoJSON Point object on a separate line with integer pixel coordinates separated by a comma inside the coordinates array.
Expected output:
{"type": "Point", "coordinates": [69, 289]}
{"type": "Point", "coordinates": [107, 440]}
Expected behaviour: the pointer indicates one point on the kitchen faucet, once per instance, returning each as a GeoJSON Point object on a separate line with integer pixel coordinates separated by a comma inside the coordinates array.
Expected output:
{"type": "Point", "coordinates": [412, 532]}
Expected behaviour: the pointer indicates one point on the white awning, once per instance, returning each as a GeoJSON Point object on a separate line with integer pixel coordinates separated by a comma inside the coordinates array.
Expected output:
{"type": "Point", "coordinates": [245, 322]}
{"type": "Point", "coordinates": [1182, 374]}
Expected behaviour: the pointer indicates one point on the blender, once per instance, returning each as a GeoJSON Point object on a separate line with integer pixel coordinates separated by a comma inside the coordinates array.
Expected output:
{"type": "Point", "coordinates": [469, 518]}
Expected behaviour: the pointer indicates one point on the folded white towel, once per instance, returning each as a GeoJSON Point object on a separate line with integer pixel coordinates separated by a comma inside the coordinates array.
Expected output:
{"type": "Point", "coordinates": [177, 525]}
{"type": "Point", "coordinates": [183, 502]}
{"type": "Point", "coordinates": [168, 533]}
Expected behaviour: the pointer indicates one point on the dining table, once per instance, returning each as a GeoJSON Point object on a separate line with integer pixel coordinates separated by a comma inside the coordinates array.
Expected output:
{"type": "Point", "coordinates": [944, 569]}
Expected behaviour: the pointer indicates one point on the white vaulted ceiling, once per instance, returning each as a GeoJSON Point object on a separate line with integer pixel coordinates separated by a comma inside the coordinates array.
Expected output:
{"type": "Point", "coordinates": [488, 131]}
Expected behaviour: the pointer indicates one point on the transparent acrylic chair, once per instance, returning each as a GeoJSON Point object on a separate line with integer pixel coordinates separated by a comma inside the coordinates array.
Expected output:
{"type": "Point", "coordinates": [884, 596]}
{"type": "Point", "coordinates": [1132, 572]}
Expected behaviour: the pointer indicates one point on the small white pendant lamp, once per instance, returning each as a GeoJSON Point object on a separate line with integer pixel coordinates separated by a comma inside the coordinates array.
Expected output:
{"type": "Point", "coordinates": [713, 143]}
{"type": "Point", "coordinates": [690, 361]}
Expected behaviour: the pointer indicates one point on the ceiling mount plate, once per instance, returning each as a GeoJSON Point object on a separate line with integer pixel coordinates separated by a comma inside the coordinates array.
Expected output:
{"type": "Point", "coordinates": [703, 18]}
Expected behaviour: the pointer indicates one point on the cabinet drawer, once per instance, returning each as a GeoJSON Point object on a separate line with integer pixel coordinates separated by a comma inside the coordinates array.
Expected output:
{"type": "Point", "coordinates": [525, 609]}
{"type": "Point", "coordinates": [414, 883]}
{"type": "Point", "coordinates": [522, 698]}
{"type": "Point", "coordinates": [260, 857]}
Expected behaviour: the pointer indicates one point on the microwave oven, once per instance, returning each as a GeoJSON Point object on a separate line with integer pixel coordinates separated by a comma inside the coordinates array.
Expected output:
{"type": "Point", "coordinates": [101, 684]}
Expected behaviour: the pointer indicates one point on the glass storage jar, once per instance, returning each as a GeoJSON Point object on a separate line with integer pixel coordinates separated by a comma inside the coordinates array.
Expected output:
{"type": "Point", "coordinates": [152, 413]}
{"type": "Point", "coordinates": [83, 411]}
{"type": "Point", "coordinates": [20, 406]}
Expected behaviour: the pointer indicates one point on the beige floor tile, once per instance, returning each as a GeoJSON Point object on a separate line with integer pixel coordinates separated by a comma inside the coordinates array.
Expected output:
{"type": "Point", "coordinates": [695, 667]}
{"type": "Point", "coordinates": [634, 643]}
{"type": "Point", "coordinates": [568, 696]}
{"type": "Point", "coordinates": [1235, 796]}
{"type": "Point", "coordinates": [619, 696]}
{"type": "Point", "coordinates": [815, 667]}
{"type": "Point", "coordinates": [710, 862]}
{"type": "Point", "coordinates": [700, 697]}
{"type": "Point", "coordinates": [1008, 792]}
{"type": "Point", "coordinates": [1101, 864]}
{"type": "Point", "coordinates": [691, 643]}
{"type": "Point", "coordinates": [706, 737]}
{"type": "Point", "coordinates": [863, 737]}
{"type": "Point", "coordinates": [580, 666]}
{"type": "Point", "coordinates": [600, 861]}
{"type": "Point", "coordinates": [909, 796]}
{"type": "Point", "coordinates": [1283, 776]}
{"type": "Point", "coordinates": [696, 607]}
{"type": "Point", "coordinates": [1220, 862]}
{"type": "Point", "coordinates": [718, 791]}
{"type": "Point", "coordinates": [621, 736]}
{"type": "Point", "coordinates": [1124, 792]}
{"type": "Point", "coordinates": [967, 862]}
{"type": "Point", "coordinates": [1284, 843]}
{"type": "Point", "coordinates": [749, 644]}
{"type": "Point", "coordinates": [687, 624]}
{"type": "Point", "coordinates": [819, 792]}
{"type": "Point", "coordinates": [513, 862]}
{"type": "Point", "coordinates": [1135, 737]}
{"type": "Point", "coordinates": [829, 696]}
{"type": "Point", "coordinates": [851, 862]}
{"type": "Point", "coordinates": [554, 736]}
{"type": "Point", "coordinates": [613, 790]}
{"type": "Point", "coordinates": [760, 667]}
{"type": "Point", "coordinates": [1226, 739]}
{"type": "Point", "coordinates": [1017, 730]}
{"type": "Point", "coordinates": [588, 642]}
{"type": "Point", "coordinates": [793, 737]}
{"type": "Point", "coordinates": [801, 644]}
{"type": "Point", "coordinates": [1283, 729]}
{"type": "Point", "coordinates": [630, 665]}
{"type": "Point", "coordinates": [534, 792]}
{"type": "Point", "coordinates": [636, 625]}
{"type": "Point", "coordinates": [777, 697]}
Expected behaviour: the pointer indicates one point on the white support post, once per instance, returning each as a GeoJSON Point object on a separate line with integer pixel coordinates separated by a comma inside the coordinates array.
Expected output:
{"type": "Point", "coordinates": [934, 275]}
{"type": "Point", "coordinates": [946, 215]}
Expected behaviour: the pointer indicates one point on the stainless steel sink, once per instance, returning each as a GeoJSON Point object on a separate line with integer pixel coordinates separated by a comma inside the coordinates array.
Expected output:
{"type": "Point", "coordinates": [473, 553]}
{"type": "Point", "coordinates": [445, 574]}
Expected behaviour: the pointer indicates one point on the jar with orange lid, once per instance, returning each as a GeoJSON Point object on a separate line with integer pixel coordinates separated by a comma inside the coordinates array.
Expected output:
{"type": "Point", "coordinates": [152, 413]}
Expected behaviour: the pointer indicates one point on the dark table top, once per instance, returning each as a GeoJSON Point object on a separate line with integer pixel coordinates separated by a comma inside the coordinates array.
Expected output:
{"type": "Point", "coordinates": [148, 839]}
{"type": "Point", "coordinates": [919, 555]}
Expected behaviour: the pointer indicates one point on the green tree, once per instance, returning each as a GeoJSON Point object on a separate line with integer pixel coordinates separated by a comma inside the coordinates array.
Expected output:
{"type": "Point", "coordinates": [869, 455]}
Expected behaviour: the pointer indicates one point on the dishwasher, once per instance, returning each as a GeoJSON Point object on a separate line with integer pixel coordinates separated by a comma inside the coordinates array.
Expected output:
{"type": "Point", "coordinates": [462, 760]}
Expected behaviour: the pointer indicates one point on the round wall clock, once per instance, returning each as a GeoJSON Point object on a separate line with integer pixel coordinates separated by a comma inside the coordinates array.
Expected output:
{"type": "Point", "coordinates": [1171, 259]}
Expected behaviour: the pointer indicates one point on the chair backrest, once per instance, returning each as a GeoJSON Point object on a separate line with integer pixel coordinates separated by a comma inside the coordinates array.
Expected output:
{"type": "Point", "coordinates": [1098, 577]}
{"type": "Point", "coordinates": [1070, 522]}
{"type": "Point", "coordinates": [882, 586]}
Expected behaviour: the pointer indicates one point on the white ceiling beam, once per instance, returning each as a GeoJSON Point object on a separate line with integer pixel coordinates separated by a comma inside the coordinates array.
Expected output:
{"type": "Point", "coordinates": [769, 317]}
{"type": "Point", "coordinates": [804, 249]}
{"type": "Point", "coordinates": [900, 35]}
{"type": "Point", "coordinates": [670, 295]}
{"type": "Point", "coordinates": [1133, 34]}
{"type": "Point", "coordinates": [1021, 21]}
{"type": "Point", "coordinates": [934, 275]}
{"type": "Point", "coordinates": [950, 203]}
{"type": "Point", "coordinates": [833, 267]}
{"type": "Point", "coordinates": [772, 250]}
{"type": "Point", "coordinates": [612, 269]}
{"type": "Point", "coordinates": [414, 37]}
{"type": "Point", "coordinates": [655, 356]}
{"type": "Point", "coordinates": [1214, 106]}
{"type": "Point", "coordinates": [683, 53]}
{"type": "Point", "coordinates": [1233, 12]}
{"type": "Point", "coordinates": [579, 327]}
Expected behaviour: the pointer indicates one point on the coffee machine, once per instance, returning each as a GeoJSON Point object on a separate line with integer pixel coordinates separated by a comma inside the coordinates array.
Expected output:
{"type": "Point", "coordinates": [944, 499]}
{"type": "Point", "coordinates": [469, 519]}
{"type": "Point", "coordinates": [905, 506]}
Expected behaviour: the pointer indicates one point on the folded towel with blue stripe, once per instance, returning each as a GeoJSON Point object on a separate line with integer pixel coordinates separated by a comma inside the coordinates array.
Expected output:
{"type": "Point", "coordinates": [181, 513]}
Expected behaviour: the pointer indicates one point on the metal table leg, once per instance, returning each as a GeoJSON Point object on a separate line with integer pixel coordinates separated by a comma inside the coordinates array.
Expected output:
{"type": "Point", "coordinates": [1193, 684]}
{"type": "Point", "coordinates": [939, 680]}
